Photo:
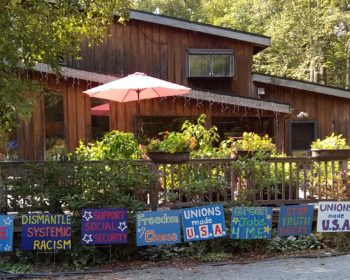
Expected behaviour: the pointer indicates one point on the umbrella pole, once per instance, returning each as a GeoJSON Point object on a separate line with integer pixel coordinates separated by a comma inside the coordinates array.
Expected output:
{"type": "Point", "coordinates": [138, 110]}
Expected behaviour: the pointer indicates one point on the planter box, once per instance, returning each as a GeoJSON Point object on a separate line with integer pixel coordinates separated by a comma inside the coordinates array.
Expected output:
{"type": "Point", "coordinates": [336, 154]}
{"type": "Point", "coordinates": [163, 157]}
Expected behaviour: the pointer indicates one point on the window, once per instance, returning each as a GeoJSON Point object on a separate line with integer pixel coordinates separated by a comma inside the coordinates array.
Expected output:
{"type": "Point", "coordinates": [204, 63]}
{"type": "Point", "coordinates": [302, 133]}
{"type": "Point", "coordinates": [235, 126]}
{"type": "Point", "coordinates": [151, 126]}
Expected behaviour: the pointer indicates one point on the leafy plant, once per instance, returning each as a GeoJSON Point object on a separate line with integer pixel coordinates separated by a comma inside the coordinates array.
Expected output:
{"type": "Point", "coordinates": [115, 145]}
{"type": "Point", "coordinates": [172, 142]}
{"type": "Point", "coordinates": [253, 142]}
{"type": "Point", "coordinates": [293, 243]}
{"type": "Point", "coordinates": [205, 138]}
{"type": "Point", "coordinates": [330, 142]}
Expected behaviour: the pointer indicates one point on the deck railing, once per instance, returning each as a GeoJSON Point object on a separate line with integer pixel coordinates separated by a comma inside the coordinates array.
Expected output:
{"type": "Point", "coordinates": [273, 181]}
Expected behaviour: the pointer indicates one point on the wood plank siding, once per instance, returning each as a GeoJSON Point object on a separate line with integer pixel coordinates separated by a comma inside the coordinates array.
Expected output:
{"type": "Point", "coordinates": [77, 115]}
{"type": "Point", "coordinates": [159, 51]}
{"type": "Point", "coordinates": [332, 113]}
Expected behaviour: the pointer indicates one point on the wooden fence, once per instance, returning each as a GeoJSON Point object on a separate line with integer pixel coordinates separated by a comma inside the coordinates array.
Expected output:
{"type": "Point", "coordinates": [274, 181]}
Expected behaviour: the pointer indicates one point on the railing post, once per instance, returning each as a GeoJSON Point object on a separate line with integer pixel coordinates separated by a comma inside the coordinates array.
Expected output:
{"type": "Point", "coordinates": [154, 187]}
{"type": "Point", "coordinates": [3, 193]}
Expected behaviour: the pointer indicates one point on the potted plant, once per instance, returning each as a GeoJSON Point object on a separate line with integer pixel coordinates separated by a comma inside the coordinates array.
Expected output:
{"type": "Point", "coordinates": [332, 147]}
{"type": "Point", "coordinates": [175, 147]}
{"type": "Point", "coordinates": [251, 144]}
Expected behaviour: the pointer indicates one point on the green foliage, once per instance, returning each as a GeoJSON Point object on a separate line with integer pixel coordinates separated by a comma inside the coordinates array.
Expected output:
{"type": "Point", "coordinates": [330, 142]}
{"type": "Point", "coordinates": [56, 149]}
{"type": "Point", "coordinates": [253, 142]}
{"type": "Point", "coordinates": [338, 241]}
{"type": "Point", "coordinates": [186, 9]}
{"type": "Point", "coordinates": [172, 142]}
{"type": "Point", "coordinates": [27, 38]}
{"type": "Point", "coordinates": [114, 145]}
{"type": "Point", "coordinates": [279, 244]}
{"type": "Point", "coordinates": [194, 137]}
{"type": "Point", "coordinates": [205, 138]}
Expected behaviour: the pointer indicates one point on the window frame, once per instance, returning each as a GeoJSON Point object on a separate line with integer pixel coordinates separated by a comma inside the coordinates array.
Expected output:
{"type": "Point", "coordinates": [210, 52]}
{"type": "Point", "coordinates": [290, 148]}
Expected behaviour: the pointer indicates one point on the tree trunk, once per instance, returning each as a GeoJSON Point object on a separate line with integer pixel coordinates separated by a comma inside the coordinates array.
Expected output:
{"type": "Point", "coordinates": [347, 77]}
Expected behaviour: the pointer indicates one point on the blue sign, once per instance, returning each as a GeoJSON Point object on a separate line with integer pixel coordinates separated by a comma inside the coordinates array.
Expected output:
{"type": "Point", "coordinates": [251, 222]}
{"type": "Point", "coordinates": [6, 233]}
{"type": "Point", "coordinates": [104, 226]}
{"type": "Point", "coordinates": [202, 223]}
{"type": "Point", "coordinates": [158, 227]}
{"type": "Point", "coordinates": [46, 232]}
{"type": "Point", "coordinates": [295, 220]}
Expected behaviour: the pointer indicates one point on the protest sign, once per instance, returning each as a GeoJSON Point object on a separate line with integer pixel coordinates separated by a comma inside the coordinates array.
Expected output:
{"type": "Point", "coordinates": [158, 227]}
{"type": "Point", "coordinates": [202, 223]}
{"type": "Point", "coordinates": [251, 222]}
{"type": "Point", "coordinates": [6, 233]}
{"type": "Point", "coordinates": [333, 216]}
{"type": "Point", "coordinates": [104, 226]}
{"type": "Point", "coordinates": [46, 232]}
{"type": "Point", "coordinates": [295, 220]}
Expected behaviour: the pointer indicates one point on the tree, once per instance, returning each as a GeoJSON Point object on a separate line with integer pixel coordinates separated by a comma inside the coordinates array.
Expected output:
{"type": "Point", "coordinates": [35, 31]}
{"type": "Point", "coordinates": [185, 9]}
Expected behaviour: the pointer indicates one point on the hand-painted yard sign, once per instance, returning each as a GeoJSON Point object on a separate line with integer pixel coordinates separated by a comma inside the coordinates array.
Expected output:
{"type": "Point", "coordinates": [251, 222]}
{"type": "Point", "coordinates": [333, 216]}
{"type": "Point", "coordinates": [295, 220]}
{"type": "Point", "coordinates": [104, 226]}
{"type": "Point", "coordinates": [6, 233]}
{"type": "Point", "coordinates": [201, 223]}
{"type": "Point", "coordinates": [158, 227]}
{"type": "Point", "coordinates": [46, 232]}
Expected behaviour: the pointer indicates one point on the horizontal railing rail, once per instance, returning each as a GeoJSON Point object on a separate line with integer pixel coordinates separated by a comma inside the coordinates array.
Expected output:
{"type": "Point", "coordinates": [28, 185]}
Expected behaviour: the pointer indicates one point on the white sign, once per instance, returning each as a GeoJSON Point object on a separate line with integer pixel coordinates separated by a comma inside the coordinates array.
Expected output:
{"type": "Point", "coordinates": [333, 216]}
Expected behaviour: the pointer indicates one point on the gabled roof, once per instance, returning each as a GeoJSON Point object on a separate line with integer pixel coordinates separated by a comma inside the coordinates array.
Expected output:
{"type": "Point", "coordinates": [259, 41]}
{"type": "Point", "coordinates": [307, 86]}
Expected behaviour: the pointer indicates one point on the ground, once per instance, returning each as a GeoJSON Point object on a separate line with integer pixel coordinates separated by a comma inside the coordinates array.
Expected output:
{"type": "Point", "coordinates": [304, 265]}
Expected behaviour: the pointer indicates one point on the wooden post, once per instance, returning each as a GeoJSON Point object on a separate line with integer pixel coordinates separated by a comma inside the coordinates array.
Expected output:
{"type": "Point", "coordinates": [154, 187]}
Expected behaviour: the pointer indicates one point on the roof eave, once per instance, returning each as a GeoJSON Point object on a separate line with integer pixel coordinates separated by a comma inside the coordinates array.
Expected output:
{"type": "Point", "coordinates": [261, 42]}
{"type": "Point", "coordinates": [302, 85]}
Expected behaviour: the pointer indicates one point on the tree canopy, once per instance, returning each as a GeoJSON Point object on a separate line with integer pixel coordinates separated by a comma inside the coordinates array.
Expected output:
{"type": "Point", "coordinates": [35, 31]}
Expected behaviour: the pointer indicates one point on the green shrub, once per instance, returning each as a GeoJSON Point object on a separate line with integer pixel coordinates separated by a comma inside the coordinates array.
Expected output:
{"type": "Point", "coordinates": [330, 142]}
{"type": "Point", "coordinates": [114, 145]}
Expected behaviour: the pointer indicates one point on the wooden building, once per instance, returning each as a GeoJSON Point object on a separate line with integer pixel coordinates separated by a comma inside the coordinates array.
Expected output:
{"type": "Point", "coordinates": [215, 62]}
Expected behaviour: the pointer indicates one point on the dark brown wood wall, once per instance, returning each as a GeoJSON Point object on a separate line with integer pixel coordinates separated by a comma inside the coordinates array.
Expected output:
{"type": "Point", "coordinates": [160, 51]}
{"type": "Point", "coordinates": [331, 113]}
{"type": "Point", "coordinates": [138, 46]}
{"type": "Point", "coordinates": [77, 115]}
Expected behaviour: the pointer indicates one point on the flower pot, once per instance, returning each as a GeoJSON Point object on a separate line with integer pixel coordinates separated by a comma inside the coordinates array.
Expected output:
{"type": "Point", "coordinates": [331, 154]}
{"type": "Point", "coordinates": [164, 157]}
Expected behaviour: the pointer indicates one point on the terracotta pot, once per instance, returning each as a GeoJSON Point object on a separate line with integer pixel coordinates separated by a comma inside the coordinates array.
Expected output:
{"type": "Point", "coordinates": [331, 154]}
{"type": "Point", "coordinates": [163, 157]}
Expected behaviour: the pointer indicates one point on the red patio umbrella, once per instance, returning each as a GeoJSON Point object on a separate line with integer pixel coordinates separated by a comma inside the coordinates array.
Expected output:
{"type": "Point", "coordinates": [135, 87]}
{"type": "Point", "coordinates": [100, 110]}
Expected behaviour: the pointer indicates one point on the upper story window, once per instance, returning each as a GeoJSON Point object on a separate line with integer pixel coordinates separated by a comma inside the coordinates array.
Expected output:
{"type": "Point", "coordinates": [209, 63]}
